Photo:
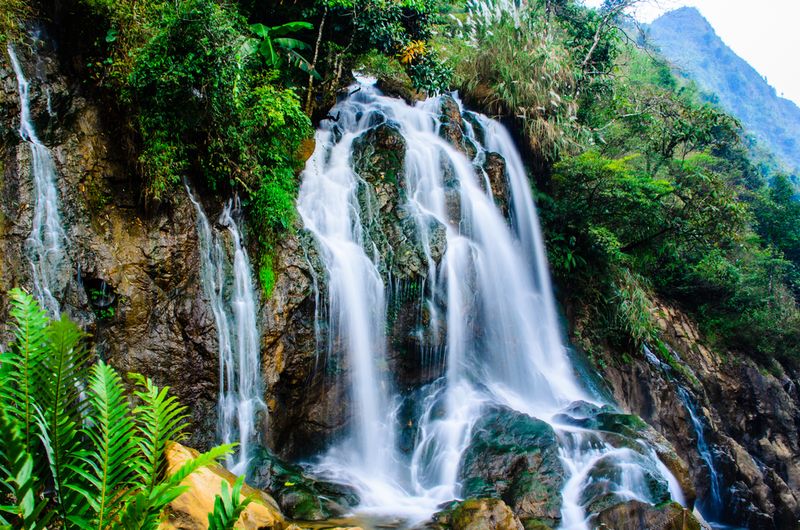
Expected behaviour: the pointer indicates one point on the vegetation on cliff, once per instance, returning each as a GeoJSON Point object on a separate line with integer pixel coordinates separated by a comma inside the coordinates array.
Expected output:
{"type": "Point", "coordinates": [646, 190]}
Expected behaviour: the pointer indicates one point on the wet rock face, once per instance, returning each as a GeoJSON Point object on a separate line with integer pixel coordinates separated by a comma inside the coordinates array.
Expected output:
{"type": "Point", "coordinates": [495, 168]}
{"type": "Point", "coordinates": [298, 495]}
{"type": "Point", "coordinates": [514, 457]}
{"type": "Point", "coordinates": [750, 418]}
{"type": "Point", "coordinates": [160, 326]}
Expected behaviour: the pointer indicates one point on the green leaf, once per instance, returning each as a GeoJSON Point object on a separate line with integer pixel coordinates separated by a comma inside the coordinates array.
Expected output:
{"type": "Point", "coordinates": [290, 43]}
{"type": "Point", "coordinates": [228, 506]}
{"type": "Point", "coordinates": [62, 375]}
{"type": "Point", "coordinates": [289, 27]}
{"type": "Point", "coordinates": [110, 462]}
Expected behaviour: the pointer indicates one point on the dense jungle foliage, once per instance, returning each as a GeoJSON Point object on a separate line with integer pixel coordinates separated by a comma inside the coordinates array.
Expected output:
{"type": "Point", "coordinates": [647, 192]}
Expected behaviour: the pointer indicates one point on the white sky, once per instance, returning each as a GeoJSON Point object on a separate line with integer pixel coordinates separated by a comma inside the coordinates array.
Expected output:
{"type": "Point", "coordinates": [763, 32]}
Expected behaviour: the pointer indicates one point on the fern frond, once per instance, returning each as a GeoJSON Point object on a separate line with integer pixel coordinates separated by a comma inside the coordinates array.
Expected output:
{"type": "Point", "coordinates": [228, 506]}
{"type": "Point", "coordinates": [19, 366]}
{"type": "Point", "coordinates": [62, 373]}
{"type": "Point", "coordinates": [18, 481]}
{"type": "Point", "coordinates": [160, 418]}
{"type": "Point", "coordinates": [109, 466]}
{"type": "Point", "coordinates": [142, 513]}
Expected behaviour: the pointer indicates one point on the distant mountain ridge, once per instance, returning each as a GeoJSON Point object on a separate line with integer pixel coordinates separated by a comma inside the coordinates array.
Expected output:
{"type": "Point", "coordinates": [688, 41]}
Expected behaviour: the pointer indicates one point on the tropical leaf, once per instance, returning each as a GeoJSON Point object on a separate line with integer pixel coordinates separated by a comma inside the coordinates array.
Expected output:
{"type": "Point", "coordinates": [159, 419]}
{"type": "Point", "coordinates": [142, 512]}
{"type": "Point", "coordinates": [18, 482]}
{"type": "Point", "coordinates": [20, 366]}
{"type": "Point", "coordinates": [228, 506]}
{"type": "Point", "coordinates": [289, 27]}
{"type": "Point", "coordinates": [268, 52]}
{"type": "Point", "coordinates": [63, 373]}
{"type": "Point", "coordinates": [261, 30]}
{"type": "Point", "coordinates": [109, 466]}
{"type": "Point", "coordinates": [289, 43]}
{"type": "Point", "coordinates": [301, 62]}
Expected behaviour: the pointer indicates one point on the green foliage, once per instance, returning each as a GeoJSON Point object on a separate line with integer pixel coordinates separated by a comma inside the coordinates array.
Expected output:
{"type": "Point", "coordinates": [521, 66]}
{"type": "Point", "coordinates": [266, 277]}
{"type": "Point", "coordinates": [228, 506]}
{"type": "Point", "coordinates": [72, 428]}
{"type": "Point", "coordinates": [18, 481]}
{"type": "Point", "coordinates": [430, 74]}
{"type": "Point", "coordinates": [274, 40]}
{"type": "Point", "coordinates": [13, 14]}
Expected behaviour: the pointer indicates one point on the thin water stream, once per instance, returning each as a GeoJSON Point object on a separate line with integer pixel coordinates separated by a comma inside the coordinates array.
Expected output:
{"type": "Point", "coordinates": [46, 244]}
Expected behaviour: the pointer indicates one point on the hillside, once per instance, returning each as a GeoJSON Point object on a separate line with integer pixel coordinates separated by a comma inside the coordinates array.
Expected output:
{"type": "Point", "coordinates": [688, 40]}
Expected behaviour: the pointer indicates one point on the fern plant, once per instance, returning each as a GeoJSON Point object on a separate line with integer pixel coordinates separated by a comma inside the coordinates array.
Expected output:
{"type": "Point", "coordinates": [228, 506]}
{"type": "Point", "coordinates": [73, 447]}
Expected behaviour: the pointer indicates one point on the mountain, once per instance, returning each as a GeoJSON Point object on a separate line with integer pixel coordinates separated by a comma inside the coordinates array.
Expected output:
{"type": "Point", "coordinates": [688, 41]}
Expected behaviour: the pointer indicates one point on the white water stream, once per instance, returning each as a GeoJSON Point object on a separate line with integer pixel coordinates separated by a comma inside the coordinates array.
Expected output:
{"type": "Point", "coordinates": [46, 244]}
{"type": "Point", "coordinates": [226, 278]}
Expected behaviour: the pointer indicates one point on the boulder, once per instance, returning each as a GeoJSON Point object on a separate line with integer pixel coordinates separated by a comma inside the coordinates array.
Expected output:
{"type": "Point", "coordinates": [495, 167]}
{"type": "Point", "coordinates": [299, 495]}
{"type": "Point", "coordinates": [514, 457]}
{"type": "Point", "coordinates": [476, 514]}
{"type": "Point", "coordinates": [629, 431]}
{"type": "Point", "coordinates": [190, 510]}
{"type": "Point", "coordinates": [635, 515]}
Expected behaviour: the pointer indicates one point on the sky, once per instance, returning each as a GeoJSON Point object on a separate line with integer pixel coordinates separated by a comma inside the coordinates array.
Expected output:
{"type": "Point", "coordinates": [762, 32]}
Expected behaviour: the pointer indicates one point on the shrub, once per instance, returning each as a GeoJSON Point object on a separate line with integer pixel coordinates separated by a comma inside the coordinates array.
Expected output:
{"type": "Point", "coordinates": [67, 427]}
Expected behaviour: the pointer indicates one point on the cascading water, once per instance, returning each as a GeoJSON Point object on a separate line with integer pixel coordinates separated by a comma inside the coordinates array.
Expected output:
{"type": "Point", "coordinates": [492, 288]}
{"type": "Point", "coordinates": [46, 244]}
{"type": "Point", "coordinates": [228, 286]}
{"type": "Point", "coordinates": [711, 507]}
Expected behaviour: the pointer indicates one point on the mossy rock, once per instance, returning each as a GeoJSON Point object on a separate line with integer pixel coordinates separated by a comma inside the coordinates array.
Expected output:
{"type": "Point", "coordinates": [299, 496]}
{"type": "Point", "coordinates": [629, 431]}
{"type": "Point", "coordinates": [514, 457]}
{"type": "Point", "coordinates": [604, 478]}
{"type": "Point", "coordinates": [475, 514]}
{"type": "Point", "coordinates": [379, 153]}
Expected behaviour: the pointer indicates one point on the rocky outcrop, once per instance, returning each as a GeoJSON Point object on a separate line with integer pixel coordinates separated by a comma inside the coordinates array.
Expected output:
{"type": "Point", "coordinates": [153, 318]}
{"type": "Point", "coordinates": [635, 515]}
{"type": "Point", "coordinates": [475, 514]}
{"type": "Point", "coordinates": [300, 496]}
{"type": "Point", "coordinates": [190, 510]}
{"type": "Point", "coordinates": [514, 457]}
{"type": "Point", "coordinates": [750, 419]}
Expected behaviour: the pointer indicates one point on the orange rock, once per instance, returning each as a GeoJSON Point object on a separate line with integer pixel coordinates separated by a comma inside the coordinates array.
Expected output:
{"type": "Point", "coordinates": [190, 510]}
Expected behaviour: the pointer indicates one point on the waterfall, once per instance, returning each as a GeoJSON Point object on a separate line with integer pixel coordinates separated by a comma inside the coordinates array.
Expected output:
{"type": "Point", "coordinates": [710, 507]}
{"type": "Point", "coordinates": [227, 285]}
{"type": "Point", "coordinates": [46, 244]}
{"type": "Point", "coordinates": [503, 345]}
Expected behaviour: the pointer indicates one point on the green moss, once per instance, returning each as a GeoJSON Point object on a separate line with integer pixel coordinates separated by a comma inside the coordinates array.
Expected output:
{"type": "Point", "coordinates": [266, 276]}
